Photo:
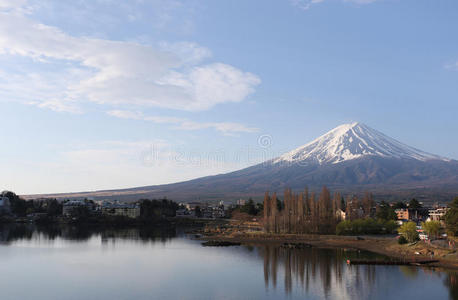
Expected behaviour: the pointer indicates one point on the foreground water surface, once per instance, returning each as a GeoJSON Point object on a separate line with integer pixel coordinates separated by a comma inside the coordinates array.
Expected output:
{"type": "Point", "coordinates": [164, 263]}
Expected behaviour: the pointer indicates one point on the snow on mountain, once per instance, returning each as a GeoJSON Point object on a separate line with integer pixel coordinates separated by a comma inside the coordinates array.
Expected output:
{"type": "Point", "coordinates": [351, 141]}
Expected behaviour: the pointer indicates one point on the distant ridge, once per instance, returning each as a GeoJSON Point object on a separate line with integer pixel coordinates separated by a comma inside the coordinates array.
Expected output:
{"type": "Point", "coordinates": [350, 158]}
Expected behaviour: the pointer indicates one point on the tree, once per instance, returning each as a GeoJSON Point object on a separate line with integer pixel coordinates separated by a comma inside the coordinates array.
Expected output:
{"type": "Point", "coordinates": [343, 204]}
{"type": "Point", "coordinates": [414, 204]}
{"type": "Point", "coordinates": [409, 231]}
{"type": "Point", "coordinates": [18, 205]}
{"type": "Point", "coordinates": [432, 228]}
{"type": "Point", "coordinates": [81, 212]}
{"type": "Point", "coordinates": [367, 204]}
{"type": "Point", "coordinates": [385, 212]}
{"type": "Point", "coordinates": [365, 226]}
{"type": "Point", "coordinates": [451, 218]}
{"type": "Point", "coordinates": [54, 208]}
{"type": "Point", "coordinates": [198, 211]}
{"type": "Point", "coordinates": [399, 204]}
{"type": "Point", "coordinates": [249, 208]}
{"type": "Point", "coordinates": [157, 209]}
{"type": "Point", "coordinates": [280, 204]}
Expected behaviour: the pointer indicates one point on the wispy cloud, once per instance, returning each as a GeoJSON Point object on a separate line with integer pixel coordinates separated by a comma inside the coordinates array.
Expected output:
{"type": "Point", "coordinates": [227, 128]}
{"type": "Point", "coordinates": [306, 4]}
{"type": "Point", "coordinates": [451, 66]}
{"type": "Point", "coordinates": [171, 75]}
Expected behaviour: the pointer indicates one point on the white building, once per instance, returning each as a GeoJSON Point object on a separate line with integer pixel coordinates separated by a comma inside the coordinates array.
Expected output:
{"type": "Point", "coordinates": [70, 206]}
{"type": "Point", "coordinates": [241, 202]}
{"type": "Point", "coordinates": [437, 214]}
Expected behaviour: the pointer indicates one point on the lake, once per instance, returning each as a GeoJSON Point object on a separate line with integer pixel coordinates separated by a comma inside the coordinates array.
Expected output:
{"type": "Point", "coordinates": [164, 263]}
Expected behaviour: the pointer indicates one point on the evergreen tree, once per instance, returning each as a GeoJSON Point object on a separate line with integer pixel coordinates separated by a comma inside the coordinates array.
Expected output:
{"type": "Point", "coordinates": [414, 204]}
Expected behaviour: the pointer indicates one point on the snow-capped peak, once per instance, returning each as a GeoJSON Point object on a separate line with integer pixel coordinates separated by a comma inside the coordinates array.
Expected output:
{"type": "Point", "coordinates": [351, 141]}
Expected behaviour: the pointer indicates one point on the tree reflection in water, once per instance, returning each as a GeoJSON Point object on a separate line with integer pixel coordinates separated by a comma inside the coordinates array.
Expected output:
{"type": "Point", "coordinates": [15, 232]}
{"type": "Point", "coordinates": [451, 281]}
{"type": "Point", "coordinates": [325, 272]}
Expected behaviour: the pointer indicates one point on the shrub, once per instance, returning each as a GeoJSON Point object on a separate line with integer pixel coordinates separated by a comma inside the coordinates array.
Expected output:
{"type": "Point", "coordinates": [402, 240]}
{"type": "Point", "coordinates": [409, 231]}
{"type": "Point", "coordinates": [365, 226]}
{"type": "Point", "coordinates": [432, 228]}
{"type": "Point", "coordinates": [344, 227]}
{"type": "Point", "coordinates": [390, 226]}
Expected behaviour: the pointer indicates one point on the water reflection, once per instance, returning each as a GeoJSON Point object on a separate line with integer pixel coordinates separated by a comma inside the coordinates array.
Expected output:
{"type": "Point", "coordinates": [155, 260]}
{"type": "Point", "coordinates": [451, 281]}
{"type": "Point", "coordinates": [324, 272]}
{"type": "Point", "coordinates": [11, 233]}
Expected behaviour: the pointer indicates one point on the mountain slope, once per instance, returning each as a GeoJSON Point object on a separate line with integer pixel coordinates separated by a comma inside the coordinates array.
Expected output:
{"type": "Point", "coordinates": [350, 158]}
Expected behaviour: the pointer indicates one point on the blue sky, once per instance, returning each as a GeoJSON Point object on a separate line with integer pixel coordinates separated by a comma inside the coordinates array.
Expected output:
{"type": "Point", "coordinates": [101, 94]}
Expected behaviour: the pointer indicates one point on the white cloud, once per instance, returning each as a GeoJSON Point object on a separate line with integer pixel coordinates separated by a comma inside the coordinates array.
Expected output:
{"type": "Point", "coordinates": [228, 128]}
{"type": "Point", "coordinates": [189, 53]}
{"type": "Point", "coordinates": [12, 4]}
{"type": "Point", "coordinates": [59, 106]}
{"type": "Point", "coordinates": [116, 72]}
{"type": "Point", "coordinates": [306, 4]}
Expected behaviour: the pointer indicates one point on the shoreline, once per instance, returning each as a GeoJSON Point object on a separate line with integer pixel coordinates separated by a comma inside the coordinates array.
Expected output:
{"type": "Point", "coordinates": [384, 245]}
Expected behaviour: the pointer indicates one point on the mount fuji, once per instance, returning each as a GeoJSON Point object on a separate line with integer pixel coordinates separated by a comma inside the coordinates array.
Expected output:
{"type": "Point", "coordinates": [351, 158]}
{"type": "Point", "coordinates": [352, 141]}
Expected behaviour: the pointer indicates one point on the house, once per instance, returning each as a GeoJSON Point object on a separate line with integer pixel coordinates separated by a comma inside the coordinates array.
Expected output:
{"type": "Point", "coordinates": [409, 214]}
{"type": "Point", "coordinates": [5, 206]}
{"type": "Point", "coordinates": [130, 210]}
{"type": "Point", "coordinates": [438, 214]}
{"type": "Point", "coordinates": [241, 202]}
{"type": "Point", "coordinates": [207, 212]}
{"type": "Point", "coordinates": [193, 205]}
{"type": "Point", "coordinates": [70, 207]}
{"type": "Point", "coordinates": [340, 214]}
{"type": "Point", "coordinates": [219, 212]}
{"type": "Point", "coordinates": [402, 214]}
{"type": "Point", "coordinates": [182, 212]}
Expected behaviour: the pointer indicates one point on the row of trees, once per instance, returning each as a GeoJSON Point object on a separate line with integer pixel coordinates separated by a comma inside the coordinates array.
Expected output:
{"type": "Point", "coordinates": [21, 207]}
{"type": "Point", "coordinates": [150, 210]}
{"type": "Point", "coordinates": [308, 213]}
{"type": "Point", "coordinates": [366, 226]}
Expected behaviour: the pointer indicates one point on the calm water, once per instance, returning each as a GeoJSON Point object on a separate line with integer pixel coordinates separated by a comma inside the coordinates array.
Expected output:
{"type": "Point", "coordinates": [70, 263]}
